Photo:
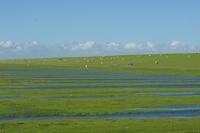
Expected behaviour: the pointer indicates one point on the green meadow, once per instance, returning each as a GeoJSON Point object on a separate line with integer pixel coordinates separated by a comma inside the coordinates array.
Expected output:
{"type": "Point", "coordinates": [187, 64]}
{"type": "Point", "coordinates": [108, 94]}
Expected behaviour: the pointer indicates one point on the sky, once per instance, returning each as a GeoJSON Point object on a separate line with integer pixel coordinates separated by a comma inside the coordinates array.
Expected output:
{"type": "Point", "coordinates": [41, 28]}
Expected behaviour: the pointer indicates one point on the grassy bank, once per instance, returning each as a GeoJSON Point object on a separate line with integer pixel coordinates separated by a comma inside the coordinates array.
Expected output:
{"type": "Point", "coordinates": [103, 126]}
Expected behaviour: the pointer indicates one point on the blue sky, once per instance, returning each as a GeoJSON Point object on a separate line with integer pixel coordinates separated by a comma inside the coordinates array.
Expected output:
{"type": "Point", "coordinates": [36, 28]}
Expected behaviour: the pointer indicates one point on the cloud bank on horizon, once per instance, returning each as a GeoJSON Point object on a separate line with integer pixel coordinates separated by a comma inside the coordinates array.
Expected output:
{"type": "Point", "coordinates": [34, 49]}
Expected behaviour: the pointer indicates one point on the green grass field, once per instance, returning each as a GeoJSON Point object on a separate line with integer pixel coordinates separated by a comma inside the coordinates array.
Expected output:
{"type": "Point", "coordinates": [187, 64]}
{"type": "Point", "coordinates": [31, 89]}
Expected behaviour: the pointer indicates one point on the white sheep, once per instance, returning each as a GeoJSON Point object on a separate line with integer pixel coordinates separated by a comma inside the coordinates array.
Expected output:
{"type": "Point", "coordinates": [156, 62]}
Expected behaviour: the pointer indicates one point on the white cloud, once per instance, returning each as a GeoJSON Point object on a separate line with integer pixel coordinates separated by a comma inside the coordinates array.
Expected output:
{"type": "Point", "coordinates": [113, 45]}
{"type": "Point", "coordinates": [18, 48]}
{"type": "Point", "coordinates": [130, 46]}
{"type": "Point", "coordinates": [6, 44]}
{"type": "Point", "coordinates": [12, 49]}
{"type": "Point", "coordinates": [34, 43]}
{"type": "Point", "coordinates": [84, 46]}
{"type": "Point", "coordinates": [176, 44]}
{"type": "Point", "coordinates": [150, 45]}
{"type": "Point", "coordinates": [30, 45]}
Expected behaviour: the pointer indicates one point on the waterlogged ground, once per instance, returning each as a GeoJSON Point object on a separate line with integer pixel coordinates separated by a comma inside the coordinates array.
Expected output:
{"type": "Point", "coordinates": [29, 97]}
{"type": "Point", "coordinates": [66, 92]}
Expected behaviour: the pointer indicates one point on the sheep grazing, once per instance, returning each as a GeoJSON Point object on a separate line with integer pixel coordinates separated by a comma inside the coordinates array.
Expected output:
{"type": "Point", "coordinates": [86, 66]}
{"type": "Point", "coordinates": [156, 62]}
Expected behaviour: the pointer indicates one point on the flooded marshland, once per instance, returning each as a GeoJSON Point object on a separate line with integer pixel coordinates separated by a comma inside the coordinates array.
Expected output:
{"type": "Point", "coordinates": [65, 94]}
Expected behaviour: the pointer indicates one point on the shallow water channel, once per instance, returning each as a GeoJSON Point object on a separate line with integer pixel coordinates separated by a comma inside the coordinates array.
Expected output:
{"type": "Point", "coordinates": [139, 113]}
